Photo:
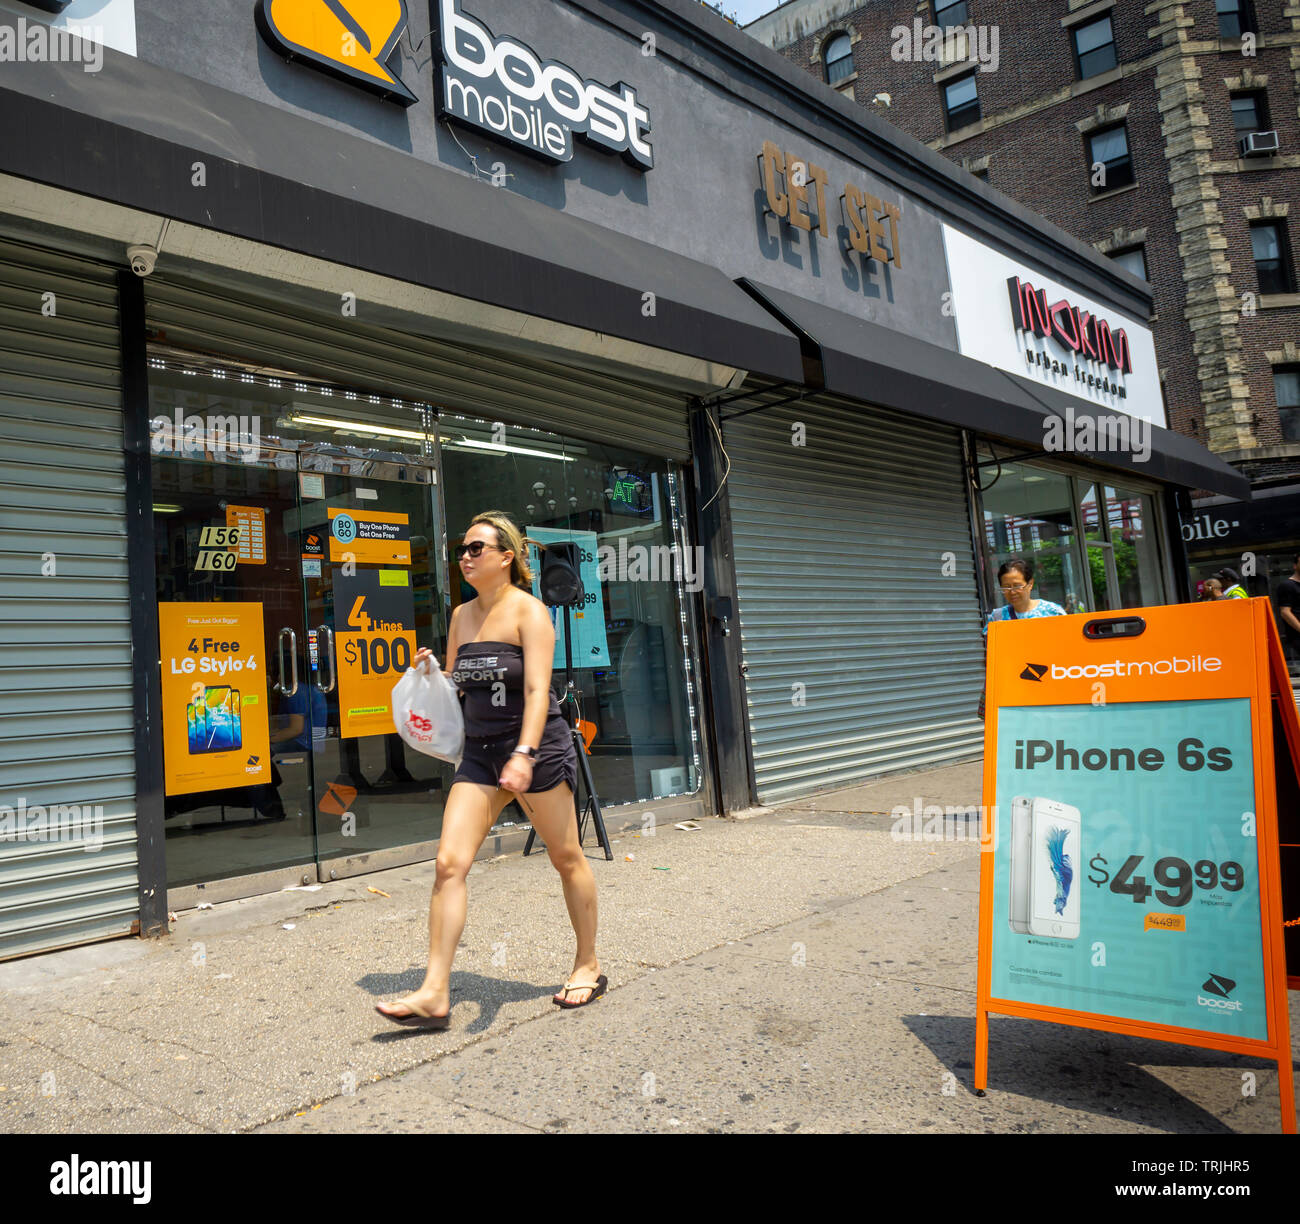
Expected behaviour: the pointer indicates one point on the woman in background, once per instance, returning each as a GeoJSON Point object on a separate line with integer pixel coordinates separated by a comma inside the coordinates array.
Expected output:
{"type": "Point", "coordinates": [1016, 581]}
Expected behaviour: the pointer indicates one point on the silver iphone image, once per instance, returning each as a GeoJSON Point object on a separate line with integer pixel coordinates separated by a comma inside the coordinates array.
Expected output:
{"type": "Point", "coordinates": [1021, 862]}
{"type": "Point", "coordinates": [1054, 879]}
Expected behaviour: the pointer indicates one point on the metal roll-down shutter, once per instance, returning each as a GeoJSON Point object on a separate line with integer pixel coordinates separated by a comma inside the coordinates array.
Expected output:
{"type": "Point", "coordinates": [296, 336]}
{"type": "Point", "coordinates": [860, 622]}
{"type": "Point", "coordinates": [66, 715]}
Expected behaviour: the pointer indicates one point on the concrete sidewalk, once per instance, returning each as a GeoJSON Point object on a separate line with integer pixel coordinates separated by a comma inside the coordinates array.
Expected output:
{"type": "Point", "coordinates": [799, 970]}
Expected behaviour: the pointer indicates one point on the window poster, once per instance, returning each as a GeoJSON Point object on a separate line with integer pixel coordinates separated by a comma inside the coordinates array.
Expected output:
{"type": "Point", "coordinates": [214, 712]}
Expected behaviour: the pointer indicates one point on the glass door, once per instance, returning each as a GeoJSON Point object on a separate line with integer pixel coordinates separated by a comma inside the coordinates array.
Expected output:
{"type": "Point", "coordinates": [1098, 546]}
{"type": "Point", "coordinates": [232, 634]}
{"type": "Point", "coordinates": [299, 556]}
{"type": "Point", "coordinates": [372, 551]}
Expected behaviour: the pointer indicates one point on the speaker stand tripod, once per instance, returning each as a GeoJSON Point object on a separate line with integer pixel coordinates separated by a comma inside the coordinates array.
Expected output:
{"type": "Point", "coordinates": [592, 805]}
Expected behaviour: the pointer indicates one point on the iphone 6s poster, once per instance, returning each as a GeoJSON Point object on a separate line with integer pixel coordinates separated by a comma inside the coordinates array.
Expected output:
{"type": "Point", "coordinates": [1126, 869]}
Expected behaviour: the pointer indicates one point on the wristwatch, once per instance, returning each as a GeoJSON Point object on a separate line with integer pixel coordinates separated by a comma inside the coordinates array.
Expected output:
{"type": "Point", "coordinates": [530, 753]}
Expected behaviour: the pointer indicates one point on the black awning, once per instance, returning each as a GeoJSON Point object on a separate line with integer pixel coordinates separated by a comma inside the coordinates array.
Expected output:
{"type": "Point", "coordinates": [877, 365]}
{"type": "Point", "coordinates": [131, 133]}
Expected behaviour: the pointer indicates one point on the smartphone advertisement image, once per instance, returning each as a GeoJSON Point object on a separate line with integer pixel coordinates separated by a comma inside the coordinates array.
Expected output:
{"type": "Point", "coordinates": [1055, 880]}
{"type": "Point", "coordinates": [213, 722]}
{"type": "Point", "coordinates": [214, 713]}
{"type": "Point", "coordinates": [1119, 904]}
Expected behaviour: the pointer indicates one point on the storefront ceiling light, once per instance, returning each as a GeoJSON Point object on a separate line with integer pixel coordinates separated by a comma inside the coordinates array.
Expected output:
{"type": "Point", "coordinates": [382, 431]}
{"type": "Point", "coordinates": [470, 444]}
{"type": "Point", "coordinates": [167, 509]}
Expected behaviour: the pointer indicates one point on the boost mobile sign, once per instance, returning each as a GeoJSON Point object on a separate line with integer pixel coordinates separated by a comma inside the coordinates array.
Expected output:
{"type": "Point", "coordinates": [498, 85]}
{"type": "Point", "coordinates": [1134, 846]}
{"type": "Point", "coordinates": [501, 86]}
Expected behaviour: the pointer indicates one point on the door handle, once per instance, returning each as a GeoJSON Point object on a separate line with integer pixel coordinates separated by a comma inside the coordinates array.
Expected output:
{"type": "Point", "coordinates": [326, 635]}
{"type": "Point", "coordinates": [293, 662]}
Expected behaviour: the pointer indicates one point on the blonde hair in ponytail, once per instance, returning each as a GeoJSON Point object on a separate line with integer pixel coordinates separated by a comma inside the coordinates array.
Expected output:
{"type": "Point", "coordinates": [510, 537]}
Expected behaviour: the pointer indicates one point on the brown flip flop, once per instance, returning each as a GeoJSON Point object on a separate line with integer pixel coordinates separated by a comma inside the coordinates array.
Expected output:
{"type": "Point", "coordinates": [597, 989]}
{"type": "Point", "coordinates": [417, 1019]}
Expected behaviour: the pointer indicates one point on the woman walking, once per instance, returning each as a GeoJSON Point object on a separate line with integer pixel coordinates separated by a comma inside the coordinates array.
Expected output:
{"type": "Point", "coordinates": [517, 746]}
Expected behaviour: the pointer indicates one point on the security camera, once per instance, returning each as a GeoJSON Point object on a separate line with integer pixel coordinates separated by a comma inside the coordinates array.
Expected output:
{"type": "Point", "coordinates": [143, 259]}
{"type": "Point", "coordinates": [883, 99]}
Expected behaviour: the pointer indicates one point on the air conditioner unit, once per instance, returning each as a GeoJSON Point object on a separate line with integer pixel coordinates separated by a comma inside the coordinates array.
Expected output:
{"type": "Point", "coordinates": [1258, 144]}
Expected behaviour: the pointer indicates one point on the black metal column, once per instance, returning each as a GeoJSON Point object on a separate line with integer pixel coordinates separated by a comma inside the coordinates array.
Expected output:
{"type": "Point", "coordinates": [727, 723]}
{"type": "Point", "coordinates": [1177, 503]}
{"type": "Point", "coordinates": [146, 678]}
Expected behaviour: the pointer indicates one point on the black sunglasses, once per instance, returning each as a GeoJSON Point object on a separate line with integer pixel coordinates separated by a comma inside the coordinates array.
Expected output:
{"type": "Point", "coordinates": [475, 549]}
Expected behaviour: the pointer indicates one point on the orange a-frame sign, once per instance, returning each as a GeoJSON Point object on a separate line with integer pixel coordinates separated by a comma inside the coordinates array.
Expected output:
{"type": "Point", "coordinates": [1131, 879]}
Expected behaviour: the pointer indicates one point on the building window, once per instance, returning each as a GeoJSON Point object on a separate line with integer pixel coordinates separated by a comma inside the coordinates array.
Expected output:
{"type": "Point", "coordinates": [1093, 545]}
{"type": "Point", "coordinates": [961, 104]}
{"type": "Point", "coordinates": [1249, 112]}
{"type": "Point", "coordinates": [1272, 259]}
{"type": "Point", "coordinates": [1109, 151]}
{"type": "Point", "coordinates": [1134, 259]}
{"type": "Point", "coordinates": [950, 13]}
{"type": "Point", "coordinates": [1094, 48]}
{"type": "Point", "coordinates": [1286, 390]}
{"type": "Point", "coordinates": [839, 59]}
{"type": "Point", "coordinates": [1235, 17]}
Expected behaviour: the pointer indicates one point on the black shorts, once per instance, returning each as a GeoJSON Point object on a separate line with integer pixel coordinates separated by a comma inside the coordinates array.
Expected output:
{"type": "Point", "coordinates": [556, 761]}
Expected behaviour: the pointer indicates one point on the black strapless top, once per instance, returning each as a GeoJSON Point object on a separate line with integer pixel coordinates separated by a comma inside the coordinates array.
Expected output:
{"type": "Point", "coordinates": [490, 676]}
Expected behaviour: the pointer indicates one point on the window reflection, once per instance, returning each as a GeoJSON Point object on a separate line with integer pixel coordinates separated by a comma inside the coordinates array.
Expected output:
{"type": "Point", "coordinates": [1027, 513]}
{"type": "Point", "coordinates": [1133, 542]}
{"type": "Point", "coordinates": [1030, 511]}
{"type": "Point", "coordinates": [630, 665]}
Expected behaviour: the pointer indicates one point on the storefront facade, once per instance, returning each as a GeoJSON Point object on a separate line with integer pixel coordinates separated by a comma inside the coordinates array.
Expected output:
{"type": "Point", "coordinates": [297, 320]}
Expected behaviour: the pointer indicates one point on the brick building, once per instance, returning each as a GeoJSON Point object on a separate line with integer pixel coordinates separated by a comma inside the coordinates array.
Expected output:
{"type": "Point", "coordinates": [1144, 130]}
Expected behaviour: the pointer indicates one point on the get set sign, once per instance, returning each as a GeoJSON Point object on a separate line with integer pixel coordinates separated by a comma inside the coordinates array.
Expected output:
{"type": "Point", "coordinates": [1132, 879]}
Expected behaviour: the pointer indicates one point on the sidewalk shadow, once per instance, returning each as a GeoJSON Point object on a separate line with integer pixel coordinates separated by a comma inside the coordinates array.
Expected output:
{"type": "Point", "coordinates": [1086, 1069]}
{"type": "Point", "coordinates": [490, 993]}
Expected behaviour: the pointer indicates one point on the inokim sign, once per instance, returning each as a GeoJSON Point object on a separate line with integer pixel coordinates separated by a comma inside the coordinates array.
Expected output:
{"type": "Point", "coordinates": [504, 88]}
{"type": "Point", "coordinates": [1014, 317]}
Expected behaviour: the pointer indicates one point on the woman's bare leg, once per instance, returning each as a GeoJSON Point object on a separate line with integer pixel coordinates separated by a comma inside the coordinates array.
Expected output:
{"type": "Point", "coordinates": [470, 813]}
{"type": "Point", "coordinates": [552, 815]}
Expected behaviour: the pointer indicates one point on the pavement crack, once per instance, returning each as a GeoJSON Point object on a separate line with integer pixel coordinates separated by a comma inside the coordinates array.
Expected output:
{"type": "Point", "coordinates": [161, 1041]}
{"type": "Point", "coordinates": [161, 1106]}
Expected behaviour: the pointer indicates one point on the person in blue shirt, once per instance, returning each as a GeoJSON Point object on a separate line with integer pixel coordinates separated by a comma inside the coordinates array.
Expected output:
{"type": "Point", "coordinates": [296, 734]}
{"type": "Point", "coordinates": [1016, 579]}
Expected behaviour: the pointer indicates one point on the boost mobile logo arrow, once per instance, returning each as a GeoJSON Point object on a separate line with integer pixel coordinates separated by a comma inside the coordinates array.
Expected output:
{"type": "Point", "coordinates": [350, 39]}
{"type": "Point", "coordinates": [1034, 671]}
{"type": "Point", "coordinates": [1219, 985]}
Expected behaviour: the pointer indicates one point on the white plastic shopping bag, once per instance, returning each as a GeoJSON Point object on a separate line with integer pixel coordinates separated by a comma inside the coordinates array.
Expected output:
{"type": "Point", "coordinates": [426, 712]}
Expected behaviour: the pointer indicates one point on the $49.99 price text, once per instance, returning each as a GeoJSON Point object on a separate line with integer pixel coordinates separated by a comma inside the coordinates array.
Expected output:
{"type": "Point", "coordinates": [1173, 874]}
